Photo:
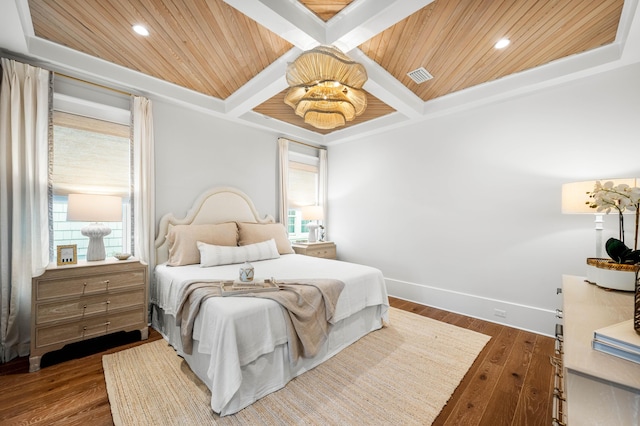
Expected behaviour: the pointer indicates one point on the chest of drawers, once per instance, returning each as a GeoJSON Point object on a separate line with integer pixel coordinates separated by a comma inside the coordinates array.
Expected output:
{"type": "Point", "coordinates": [78, 302]}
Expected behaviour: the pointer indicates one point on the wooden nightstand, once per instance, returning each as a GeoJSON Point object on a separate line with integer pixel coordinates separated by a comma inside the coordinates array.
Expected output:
{"type": "Point", "coordinates": [77, 302]}
{"type": "Point", "coordinates": [325, 249]}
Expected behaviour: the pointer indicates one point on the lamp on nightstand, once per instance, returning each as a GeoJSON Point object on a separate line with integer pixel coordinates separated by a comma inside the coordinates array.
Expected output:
{"type": "Point", "coordinates": [312, 213]}
{"type": "Point", "coordinates": [575, 200]}
{"type": "Point", "coordinates": [611, 194]}
{"type": "Point", "coordinates": [94, 208]}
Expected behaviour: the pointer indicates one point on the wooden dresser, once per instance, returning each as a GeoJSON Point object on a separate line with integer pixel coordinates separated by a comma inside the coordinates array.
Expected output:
{"type": "Point", "coordinates": [598, 388]}
{"type": "Point", "coordinates": [325, 249]}
{"type": "Point", "coordinates": [77, 302]}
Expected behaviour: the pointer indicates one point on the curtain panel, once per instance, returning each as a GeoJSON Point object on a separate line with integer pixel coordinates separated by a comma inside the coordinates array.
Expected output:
{"type": "Point", "coordinates": [323, 178]}
{"type": "Point", "coordinates": [143, 180]}
{"type": "Point", "coordinates": [24, 219]}
{"type": "Point", "coordinates": [283, 157]}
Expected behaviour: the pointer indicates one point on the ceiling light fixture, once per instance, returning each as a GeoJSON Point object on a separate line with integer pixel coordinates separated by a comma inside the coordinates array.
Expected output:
{"type": "Point", "coordinates": [502, 43]}
{"type": "Point", "coordinates": [140, 29]}
{"type": "Point", "coordinates": [325, 87]}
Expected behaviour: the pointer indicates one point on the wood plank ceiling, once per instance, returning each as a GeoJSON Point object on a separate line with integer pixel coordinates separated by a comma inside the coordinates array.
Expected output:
{"type": "Point", "coordinates": [212, 48]}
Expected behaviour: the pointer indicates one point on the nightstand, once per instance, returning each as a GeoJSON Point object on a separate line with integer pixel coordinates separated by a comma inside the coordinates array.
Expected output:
{"type": "Point", "coordinates": [324, 249]}
{"type": "Point", "coordinates": [71, 303]}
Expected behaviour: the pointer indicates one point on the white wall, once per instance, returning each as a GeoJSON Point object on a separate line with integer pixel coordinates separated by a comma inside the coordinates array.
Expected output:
{"type": "Point", "coordinates": [463, 212]}
{"type": "Point", "coordinates": [196, 151]}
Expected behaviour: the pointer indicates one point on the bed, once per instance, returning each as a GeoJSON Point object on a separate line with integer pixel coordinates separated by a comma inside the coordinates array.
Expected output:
{"type": "Point", "coordinates": [240, 345]}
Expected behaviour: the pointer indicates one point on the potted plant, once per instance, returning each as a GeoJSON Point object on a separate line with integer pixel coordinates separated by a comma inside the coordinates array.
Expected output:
{"type": "Point", "coordinates": [619, 272]}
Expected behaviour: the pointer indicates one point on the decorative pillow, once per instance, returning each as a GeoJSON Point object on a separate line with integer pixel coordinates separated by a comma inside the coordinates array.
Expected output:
{"type": "Point", "coordinates": [182, 240]}
{"type": "Point", "coordinates": [251, 233]}
{"type": "Point", "coordinates": [212, 255]}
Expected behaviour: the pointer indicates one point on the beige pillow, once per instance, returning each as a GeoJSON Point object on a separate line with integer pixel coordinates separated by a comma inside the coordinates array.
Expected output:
{"type": "Point", "coordinates": [183, 238]}
{"type": "Point", "coordinates": [251, 233]}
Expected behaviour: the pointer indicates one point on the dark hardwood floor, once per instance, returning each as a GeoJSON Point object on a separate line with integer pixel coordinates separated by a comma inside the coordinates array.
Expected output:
{"type": "Point", "coordinates": [509, 384]}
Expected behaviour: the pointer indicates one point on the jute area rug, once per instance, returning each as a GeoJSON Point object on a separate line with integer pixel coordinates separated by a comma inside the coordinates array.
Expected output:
{"type": "Point", "coordinates": [401, 374]}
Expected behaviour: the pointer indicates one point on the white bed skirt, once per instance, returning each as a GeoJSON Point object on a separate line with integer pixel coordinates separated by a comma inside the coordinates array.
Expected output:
{"type": "Point", "coordinates": [271, 371]}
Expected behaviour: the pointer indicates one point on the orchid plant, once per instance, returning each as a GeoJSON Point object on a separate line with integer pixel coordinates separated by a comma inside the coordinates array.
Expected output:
{"type": "Point", "coordinates": [607, 196]}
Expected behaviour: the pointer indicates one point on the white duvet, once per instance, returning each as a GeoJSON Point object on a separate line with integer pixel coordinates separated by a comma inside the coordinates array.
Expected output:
{"type": "Point", "coordinates": [236, 331]}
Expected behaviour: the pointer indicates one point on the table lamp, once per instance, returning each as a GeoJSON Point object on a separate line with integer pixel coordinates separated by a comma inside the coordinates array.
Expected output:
{"type": "Point", "coordinates": [576, 200]}
{"type": "Point", "coordinates": [94, 208]}
{"type": "Point", "coordinates": [312, 213]}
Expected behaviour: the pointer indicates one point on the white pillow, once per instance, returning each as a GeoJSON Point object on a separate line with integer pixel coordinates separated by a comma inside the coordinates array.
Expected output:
{"type": "Point", "coordinates": [211, 255]}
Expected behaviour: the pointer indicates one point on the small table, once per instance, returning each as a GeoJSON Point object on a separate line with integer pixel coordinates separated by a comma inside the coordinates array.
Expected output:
{"type": "Point", "coordinates": [324, 249]}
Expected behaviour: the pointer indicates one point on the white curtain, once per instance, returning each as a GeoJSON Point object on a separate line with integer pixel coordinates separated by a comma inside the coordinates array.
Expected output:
{"type": "Point", "coordinates": [24, 219]}
{"type": "Point", "coordinates": [283, 151]}
{"type": "Point", "coordinates": [143, 181]}
{"type": "Point", "coordinates": [322, 190]}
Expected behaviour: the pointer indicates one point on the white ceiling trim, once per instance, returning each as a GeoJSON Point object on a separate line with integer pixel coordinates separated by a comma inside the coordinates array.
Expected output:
{"type": "Point", "coordinates": [14, 27]}
{"type": "Point", "coordinates": [237, 108]}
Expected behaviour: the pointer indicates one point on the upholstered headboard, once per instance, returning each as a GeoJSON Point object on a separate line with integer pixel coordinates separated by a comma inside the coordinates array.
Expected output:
{"type": "Point", "coordinates": [217, 205]}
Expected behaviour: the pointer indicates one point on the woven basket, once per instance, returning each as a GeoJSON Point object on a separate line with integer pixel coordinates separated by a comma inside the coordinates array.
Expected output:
{"type": "Point", "coordinates": [636, 315]}
{"type": "Point", "coordinates": [611, 265]}
{"type": "Point", "coordinates": [609, 274]}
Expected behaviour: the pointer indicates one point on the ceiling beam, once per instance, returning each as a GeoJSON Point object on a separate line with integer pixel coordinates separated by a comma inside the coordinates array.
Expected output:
{"type": "Point", "coordinates": [268, 83]}
{"type": "Point", "coordinates": [387, 88]}
{"type": "Point", "coordinates": [362, 20]}
{"type": "Point", "coordinates": [350, 28]}
{"type": "Point", "coordinates": [291, 21]}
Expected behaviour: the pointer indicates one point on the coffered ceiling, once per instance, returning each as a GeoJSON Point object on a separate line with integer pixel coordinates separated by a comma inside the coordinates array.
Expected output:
{"type": "Point", "coordinates": [232, 54]}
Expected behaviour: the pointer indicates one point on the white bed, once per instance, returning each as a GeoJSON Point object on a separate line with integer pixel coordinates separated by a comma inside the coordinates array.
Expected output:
{"type": "Point", "coordinates": [240, 346]}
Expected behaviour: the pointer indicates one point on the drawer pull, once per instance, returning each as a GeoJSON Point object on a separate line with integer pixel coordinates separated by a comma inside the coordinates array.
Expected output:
{"type": "Point", "coordinates": [557, 393]}
{"type": "Point", "coordinates": [105, 324]}
{"type": "Point", "coordinates": [97, 325]}
{"type": "Point", "coordinates": [85, 284]}
{"type": "Point", "coordinates": [559, 313]}
{"type": "Point", "coordinates": [99, 303]}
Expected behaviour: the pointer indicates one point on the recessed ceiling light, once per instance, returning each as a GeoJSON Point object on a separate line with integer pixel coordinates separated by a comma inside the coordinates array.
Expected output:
{"type": "Point", "coordinates": [141, 30]}
{"type": "Point", "coordinates": [502, 43]}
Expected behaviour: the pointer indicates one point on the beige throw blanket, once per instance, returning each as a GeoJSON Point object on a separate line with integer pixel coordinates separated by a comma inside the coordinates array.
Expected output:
{"type": "Point", "coordinates": [310, 305]}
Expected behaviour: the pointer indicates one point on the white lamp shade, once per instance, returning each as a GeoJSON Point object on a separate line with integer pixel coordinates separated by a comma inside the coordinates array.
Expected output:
{"type": "Point", "coordinates": [575, 199]}
{"type": "Point", "coordinates": [312, 213]}
{"type": "Point", "coordinates": [94, 208]}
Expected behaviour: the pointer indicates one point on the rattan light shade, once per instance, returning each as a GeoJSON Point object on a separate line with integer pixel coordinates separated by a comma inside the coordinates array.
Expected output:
{"type": "Point", "coordinates": [326, 87]}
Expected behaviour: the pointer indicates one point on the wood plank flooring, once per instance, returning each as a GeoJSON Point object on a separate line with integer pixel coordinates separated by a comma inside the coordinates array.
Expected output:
{"type": "Point", "coordinates": [510, 382]}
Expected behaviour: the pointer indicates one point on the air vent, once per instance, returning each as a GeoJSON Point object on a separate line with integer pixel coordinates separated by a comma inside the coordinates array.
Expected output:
{"type": "Point", "coordinates": [420, 75]}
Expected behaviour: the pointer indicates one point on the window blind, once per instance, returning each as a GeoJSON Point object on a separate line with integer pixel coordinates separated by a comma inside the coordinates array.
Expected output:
{"type": "Point", "coordinates": [90, 156]}
{"type": "Point", "coordinates": [303, 184]}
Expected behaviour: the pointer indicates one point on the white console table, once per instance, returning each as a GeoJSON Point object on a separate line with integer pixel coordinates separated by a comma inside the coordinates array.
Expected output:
{"type": "Point", "coordinates": [600, 389]}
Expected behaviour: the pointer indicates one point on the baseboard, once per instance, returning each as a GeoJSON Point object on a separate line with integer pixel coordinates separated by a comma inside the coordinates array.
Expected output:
{"type": "Point", "coordinates": [528, 318]}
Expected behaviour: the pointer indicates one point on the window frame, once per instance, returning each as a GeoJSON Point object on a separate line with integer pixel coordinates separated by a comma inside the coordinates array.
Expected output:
{"type": "Point", "coordinates": [311, 163]}
{"type": "Point", "coordinates": [99, 111]}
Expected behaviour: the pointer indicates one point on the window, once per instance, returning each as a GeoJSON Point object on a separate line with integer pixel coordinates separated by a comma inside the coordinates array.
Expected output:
{"type": "Point", "coordinates": [303, 190]}
{"type": "Point", "coordinates": [92, 156]}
